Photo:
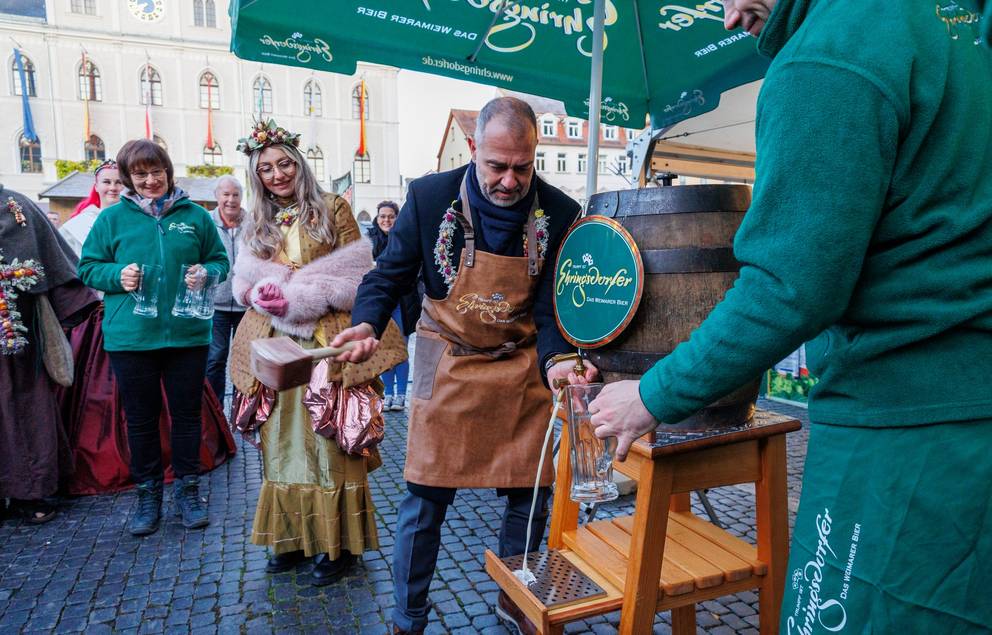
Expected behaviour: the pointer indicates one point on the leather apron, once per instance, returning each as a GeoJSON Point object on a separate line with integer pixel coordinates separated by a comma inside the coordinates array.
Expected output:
{"type": "Point", "coordinates": [479, 410]}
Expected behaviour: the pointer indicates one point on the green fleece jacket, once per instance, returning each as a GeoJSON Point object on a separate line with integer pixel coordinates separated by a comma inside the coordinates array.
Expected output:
{"type": "Point", "coordinates": [124, 233]}
{"type": "Point", "coordinates": [870, 229]}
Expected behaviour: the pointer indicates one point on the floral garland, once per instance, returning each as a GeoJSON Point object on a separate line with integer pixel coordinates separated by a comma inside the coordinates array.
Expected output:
{"type": "Point", "coordinates": [15, 208]}
{"type": "Point", "coordinates": [443, 248]}
{"type": "Point", "coordinates": [287, 216]}
{"type": "Point", "coordinates": [264, 134]}
{"type": "Point", "coordinates": [20, 276]}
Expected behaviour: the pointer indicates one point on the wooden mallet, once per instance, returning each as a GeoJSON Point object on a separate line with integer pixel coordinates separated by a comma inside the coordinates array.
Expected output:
{"type": "Point", "coordinates": [280, 363]}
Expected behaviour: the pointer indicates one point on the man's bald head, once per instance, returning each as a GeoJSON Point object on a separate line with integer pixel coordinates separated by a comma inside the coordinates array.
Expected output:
{"type": "Point", "coordinates": [514, 114]}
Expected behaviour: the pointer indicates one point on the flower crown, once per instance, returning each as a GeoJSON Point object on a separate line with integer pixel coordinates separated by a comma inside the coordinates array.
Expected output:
{"type": "Point", "coordinates": [266, 133]}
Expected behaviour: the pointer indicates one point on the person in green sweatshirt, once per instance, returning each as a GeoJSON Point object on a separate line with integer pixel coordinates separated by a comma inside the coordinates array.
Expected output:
{"type": "Point", "coordinates": [869, 233]}
{"type": "Point", "coordinates": [155, 223]}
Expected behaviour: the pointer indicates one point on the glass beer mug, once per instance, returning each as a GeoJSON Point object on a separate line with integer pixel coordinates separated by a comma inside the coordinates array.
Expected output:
{"type": "Point", "coordinates": [592, 457]}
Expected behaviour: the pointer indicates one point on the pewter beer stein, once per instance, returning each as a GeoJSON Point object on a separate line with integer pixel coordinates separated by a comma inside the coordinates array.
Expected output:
{"type": "Point", "coordinates": [592, 457]}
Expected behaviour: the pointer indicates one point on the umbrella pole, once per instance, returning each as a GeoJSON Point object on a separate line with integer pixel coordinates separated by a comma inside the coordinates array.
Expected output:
{"type": "Point", "coordinates": [595, 99]}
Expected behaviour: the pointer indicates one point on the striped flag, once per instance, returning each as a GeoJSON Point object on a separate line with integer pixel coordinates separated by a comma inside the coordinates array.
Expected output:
{"type": "Point", "coordinates": [149, 128]}
{"type": "Point", "coordinates": [361, 120]}
{"type": "Point", "coordinates": [86, 88]}
{"type": "Point", "coordinates": [210, 117]}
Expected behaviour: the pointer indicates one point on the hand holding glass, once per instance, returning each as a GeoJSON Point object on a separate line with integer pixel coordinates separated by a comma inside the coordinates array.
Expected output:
{"type": "Point", "coordinates": [592, 458]}
{"type": "Point", "coordinates": [146, 294]}
{"type": "Point", "coordinates": [195, 298]}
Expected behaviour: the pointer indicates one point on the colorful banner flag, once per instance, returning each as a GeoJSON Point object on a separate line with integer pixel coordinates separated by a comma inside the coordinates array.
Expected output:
{"type": "Point", "coordinates": [29, 131]}
{"type": "Point", "coordinates": [149, 128]}
{"type": "Point", "coordinates": [86, 87]}
{"type": "Point", "coordinates": [361, 120]}
{"type": "Point", "coordinates": [210, 117]}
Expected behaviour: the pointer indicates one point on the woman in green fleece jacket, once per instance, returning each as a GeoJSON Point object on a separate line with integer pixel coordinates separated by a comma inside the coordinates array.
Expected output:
{"type": "Point", "coordinates": [155, 223]}
{"type": "Point", "coordinates": [874, 171]}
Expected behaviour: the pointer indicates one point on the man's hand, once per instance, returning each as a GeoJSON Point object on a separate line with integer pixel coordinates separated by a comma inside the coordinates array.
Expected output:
{"type": "Point", "coordinates": [130, 277]}
{"type": "Point", "coordinates": [565, 371]}
{"type": "Point", "coordinates": [366, 343]}
{"type": "Point", "coordinates": [619, 412]}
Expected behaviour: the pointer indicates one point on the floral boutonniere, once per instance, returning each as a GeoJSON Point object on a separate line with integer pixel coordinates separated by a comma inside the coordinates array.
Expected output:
{"type": "Point", "coordinates": [541, 231]}
{"type": "Point", "coordinates": [443, 248]}
{"type": "Point", "coordinates": [15, 208]}
{"type": "Point", "coordinates": [287, 216]}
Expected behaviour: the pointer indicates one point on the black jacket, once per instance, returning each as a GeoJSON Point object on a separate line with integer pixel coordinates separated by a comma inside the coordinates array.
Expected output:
{"type": "Point", "coordinates": [409, 302]}
{"type": "Point", "coordinates": [410, 253]}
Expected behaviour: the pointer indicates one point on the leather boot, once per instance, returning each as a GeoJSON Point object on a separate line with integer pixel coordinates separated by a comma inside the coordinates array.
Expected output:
{"type": "Point", "coordinates": [285, 561]}
{"type": "Point", "coordinates": [326, 571]}
{"type": "Point", "coordinates": [513, 617]}
{"type": "Point", "coordinates": [186, 498]}
{"type": "Point", "coordinates": [149, 512]}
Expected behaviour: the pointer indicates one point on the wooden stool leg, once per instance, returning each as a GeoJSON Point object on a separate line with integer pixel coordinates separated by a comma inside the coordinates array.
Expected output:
{"type": "Point", "coordinates": [681, 502]}
{"type": "Point", "coordinates": [564, 511]}
{"type": "Point", "coordinates": [684, 620]}
{"type": "Point", "coordinates": [772, 503]}
{"type": "Point", "coordinates": [647, 547]}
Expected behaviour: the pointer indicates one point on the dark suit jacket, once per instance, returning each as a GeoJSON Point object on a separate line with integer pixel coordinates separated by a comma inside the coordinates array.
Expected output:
{"type": "Point", "coordinates": [410, 252]}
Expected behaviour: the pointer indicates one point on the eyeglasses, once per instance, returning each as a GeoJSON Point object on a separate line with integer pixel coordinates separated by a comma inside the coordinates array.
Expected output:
{"type": "Point", "coordinates": [144, 176]}
{"type": "Point", "coordinates": [285, 166]}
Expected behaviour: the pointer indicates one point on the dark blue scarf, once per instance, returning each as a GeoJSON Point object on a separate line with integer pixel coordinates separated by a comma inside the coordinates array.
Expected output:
{"type": "Point", "coordinates": [502, 228]}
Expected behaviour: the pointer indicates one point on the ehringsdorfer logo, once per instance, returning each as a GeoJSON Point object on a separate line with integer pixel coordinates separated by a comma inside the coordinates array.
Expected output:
{"type": "Point", "coordinates": [494, 309]}
{"type": "Point", "coordinates": [687, 101]}
{"type": "Point", "coordinates": [959, 20]}
{"type": "Point", "coordinates": [182, 228]}
{"type": "Point", "coordinates": [820, 601]}
{"type": "Point", "coordinates": [297, 47]}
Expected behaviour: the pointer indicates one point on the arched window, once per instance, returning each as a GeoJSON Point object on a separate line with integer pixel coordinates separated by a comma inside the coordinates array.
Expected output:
{"type": "Point", "coordinates": [313, 100]}
{"type": "Point", "coordinates": [29, 78]}
{"type": "Point", "coordinates": [315, 157]}
{"type": "Point", "coordinates": [161, 142]}
{"type": "Point", "coordinates": [151, 86]}
{"type": "Point", "coordinates": [89, 82]}
{"type": "Point", "coordinates": [214, 155]}
{"type": "Point", "coordinates": [363, 168]}
{"type": "Point", "coordinates": [30, 156]}
{"type": "Point", "coordinates": [93, 149]}
{"type": "Point", "coordinates": [198, 18]}
{"type": "Point", "coordinates": [210, 9]}
{"type": "Point", "coordinates": [261, 93]}
{"type": "Point", "coordinates": [356, 106]}
{"type": "Point", "coordinates": [209, 91]}
{"type": "Point", "coordinates": [364, 217]}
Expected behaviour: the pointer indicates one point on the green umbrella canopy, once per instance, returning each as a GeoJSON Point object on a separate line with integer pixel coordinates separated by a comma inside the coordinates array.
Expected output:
{"type": "Point", "coordinates": [668, 60]}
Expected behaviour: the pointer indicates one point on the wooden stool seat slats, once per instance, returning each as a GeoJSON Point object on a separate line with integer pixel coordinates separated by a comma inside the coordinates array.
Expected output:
{"type": "Point", "coordinates": [664, 557]}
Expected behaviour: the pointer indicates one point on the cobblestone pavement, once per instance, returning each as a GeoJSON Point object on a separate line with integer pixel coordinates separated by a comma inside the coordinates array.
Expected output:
{"type": "Point", "coordinates": [83, 572]}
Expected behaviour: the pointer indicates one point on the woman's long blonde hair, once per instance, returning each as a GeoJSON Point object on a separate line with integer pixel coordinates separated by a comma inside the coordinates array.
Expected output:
{"type": "Point", "coordinates": [262, 234]}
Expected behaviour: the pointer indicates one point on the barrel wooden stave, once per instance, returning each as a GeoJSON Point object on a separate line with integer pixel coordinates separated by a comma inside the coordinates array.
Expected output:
{"type": "Point", "coordinates": [686, 231]}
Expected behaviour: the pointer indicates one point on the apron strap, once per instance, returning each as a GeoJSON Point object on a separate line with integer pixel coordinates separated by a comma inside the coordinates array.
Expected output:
{"type": "Point", "coordinates": [461, 348]}
{"type": "Point", "coordinates": [465, 220]}
{"type": "Point", "coordinates": [533, 267]}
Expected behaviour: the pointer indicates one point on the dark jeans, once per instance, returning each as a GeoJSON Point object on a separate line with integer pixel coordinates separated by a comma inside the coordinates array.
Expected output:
{"type": "Point", "coordinates": [418, 539]}
{"type": "Point", "coordinates": [225, 324]}
{"type": "Point", "coordinates": [140, 378]}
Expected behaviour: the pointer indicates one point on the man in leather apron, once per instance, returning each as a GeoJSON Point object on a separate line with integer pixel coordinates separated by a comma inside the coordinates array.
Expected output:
{"type": "Point", "coordinates": [484, 237]}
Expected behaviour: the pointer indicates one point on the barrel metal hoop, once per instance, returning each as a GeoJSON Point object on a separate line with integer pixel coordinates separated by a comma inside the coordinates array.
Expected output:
{"type": "Point", "coordinates": [689, 260]}
{"type": "Point", "coordinates": [682, 199]}
{"type": "Point", "coordinates": [630, 362]}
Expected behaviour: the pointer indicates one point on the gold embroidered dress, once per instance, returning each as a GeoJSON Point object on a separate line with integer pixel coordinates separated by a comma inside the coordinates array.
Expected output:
{"type": "Point", "coordinates": [314, 497]}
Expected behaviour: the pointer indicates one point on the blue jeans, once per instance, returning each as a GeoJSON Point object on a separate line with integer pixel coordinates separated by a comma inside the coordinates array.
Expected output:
{"type": "Point", "coordinates": [225, 324]}
{"type": "Point", "coordinates": [398, 374]}
{"type": "Point", "coordinates": [418, 539]}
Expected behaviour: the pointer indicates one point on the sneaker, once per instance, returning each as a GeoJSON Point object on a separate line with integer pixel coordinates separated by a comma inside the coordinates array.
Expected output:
{"type": "Point", "coordinates": [399, 403]}
{"type": "Point", "coordinates": [387, 403]}
{"type": "Point", "coordinates": [146, 517]}
{"type": "Point", "coordinates": [186, 498]}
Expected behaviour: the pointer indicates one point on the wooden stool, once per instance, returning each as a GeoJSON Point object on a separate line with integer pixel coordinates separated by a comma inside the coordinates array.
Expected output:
{"type": "Point", "coordinates": [664, 557]}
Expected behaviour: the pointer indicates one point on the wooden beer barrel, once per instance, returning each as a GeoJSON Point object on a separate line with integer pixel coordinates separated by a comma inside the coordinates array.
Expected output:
{"type": "Point", "coordinates": [685, 235]}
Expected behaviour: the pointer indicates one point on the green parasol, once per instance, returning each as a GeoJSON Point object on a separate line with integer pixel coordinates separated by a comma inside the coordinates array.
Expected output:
{"type": "Point", "coordinates": [669, 60]}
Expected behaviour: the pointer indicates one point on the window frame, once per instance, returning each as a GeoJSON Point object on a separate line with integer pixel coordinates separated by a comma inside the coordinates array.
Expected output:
{"type": "Point", "coordinates": [561, 163]}
{"type": "Point", "coordinates": [549, 126]}
{"type": "Point", "coordinates": [582, 163]}
{"type": "Point", "coordinates": [214, 94]}
{"type": "Point", "coordinates": [30, 76]}
{"type": "Point", "coordinates": [355, 105]}
{"type": "Point", "coordinates": [94, 151]}
{"type": "Point", "coordinates": [313, 155]}
{"type": "Point", "coordinates": [540, 163]}
{"type": "Point", "coordinates": [154, 82]}
{"type": "Point", "coordinates": [262, 84]}
{"type": "Point", "coordinates": [312, 93]}
{"type": "Point", "coordinates": [610, 133]}
{"type": "Point", "coordinates": [365, 174]}
{"type": "Point", "coordinates": [215, 154]}
{"type": "Point", "coordinates": [32, 147]}
{"type": "Point", "coordinates": [93, 86]}
{"type": "Point", "coordinates": [573, 128]}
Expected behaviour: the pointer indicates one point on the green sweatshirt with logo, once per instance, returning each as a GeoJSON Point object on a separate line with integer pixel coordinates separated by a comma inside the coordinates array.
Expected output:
{"type": "Point", "coordinates": [870, 228]}
{"type": "Point", "coordinates": [122, 234]}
